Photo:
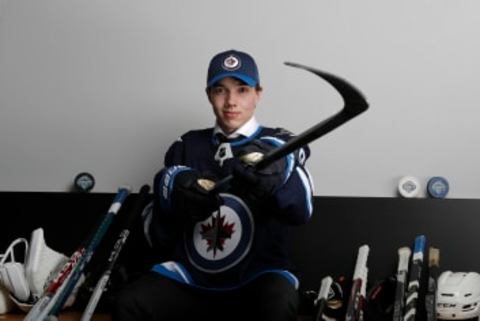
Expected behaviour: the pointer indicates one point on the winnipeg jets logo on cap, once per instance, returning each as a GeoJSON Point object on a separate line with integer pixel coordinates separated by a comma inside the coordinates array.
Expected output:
{"type": "Point", "coordinates": [232, 63]}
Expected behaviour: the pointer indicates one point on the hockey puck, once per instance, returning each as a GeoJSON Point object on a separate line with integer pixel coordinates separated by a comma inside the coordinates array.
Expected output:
{"type": "Point", "coordinates": [437, 187]}
{"type": "Point", "coordinates": [84, 182]}
{"type": "Point", "coordinates": [409, 187]}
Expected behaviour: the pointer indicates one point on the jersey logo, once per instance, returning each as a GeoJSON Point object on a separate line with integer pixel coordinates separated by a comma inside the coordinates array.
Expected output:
{"type": "Point", "coordinates": [221, 241]}
{"type": "Point", "coordinates": [217, 232]}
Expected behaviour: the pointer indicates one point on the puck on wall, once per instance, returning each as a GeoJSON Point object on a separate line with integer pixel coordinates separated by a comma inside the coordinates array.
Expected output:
{"type": "Point", "coordinates": [84, 182]}
{"type": "Point", "coordinates": [409, 187]}
{"type": "Point", "coordinates": [437, 187]}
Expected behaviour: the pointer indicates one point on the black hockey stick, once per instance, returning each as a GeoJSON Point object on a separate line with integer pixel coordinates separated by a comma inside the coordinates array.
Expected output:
{"type": "Point", "coordinates": [117, 248]}
{"type": "Point", "coordinates": [356, 302]}
{"type": "Point", "coordinates": [41, 308]}
{"type": "Point", "coordinates": [354, 104]}
{"type": "Point", "coordinates": [55, 303]}
{"type": "Point", "coordinates": [322, 298]}
{"type": "Point", "coordinates": [414, 279]}
{"type": "Point", "coordinates": [402, 273]}
{"type": "Point", "coordinates": [433, 271]}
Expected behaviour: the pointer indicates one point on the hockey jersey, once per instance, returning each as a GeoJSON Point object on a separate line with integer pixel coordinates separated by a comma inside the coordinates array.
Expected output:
{"type": "Point", "coordinates": [242, 239]}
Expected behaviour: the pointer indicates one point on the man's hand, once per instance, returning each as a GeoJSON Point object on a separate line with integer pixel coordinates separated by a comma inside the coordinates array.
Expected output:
{"type": "Point", "coordinates": [191, 196]}
{"type": "Point", "coordinates": [257, 183]}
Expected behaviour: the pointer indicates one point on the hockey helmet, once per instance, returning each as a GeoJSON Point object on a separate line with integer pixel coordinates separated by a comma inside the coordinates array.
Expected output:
{"type": "Point", "coordinates": [458, 295]}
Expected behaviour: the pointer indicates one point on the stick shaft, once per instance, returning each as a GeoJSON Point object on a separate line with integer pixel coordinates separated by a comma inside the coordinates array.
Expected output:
{"type": "Point", "coordinates": [53, 300]}
{"type": "Point", "coordinates": [117, 248]}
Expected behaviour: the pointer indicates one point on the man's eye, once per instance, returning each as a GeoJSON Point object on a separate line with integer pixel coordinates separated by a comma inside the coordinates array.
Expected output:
{"type": "Point", "coordinates": [243, 89]}
{"type": "Point", "coordinates": [218, 90]}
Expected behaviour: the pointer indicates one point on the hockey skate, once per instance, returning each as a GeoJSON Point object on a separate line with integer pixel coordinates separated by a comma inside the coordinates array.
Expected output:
{"type": "Point", "coordinates": [42, 264]}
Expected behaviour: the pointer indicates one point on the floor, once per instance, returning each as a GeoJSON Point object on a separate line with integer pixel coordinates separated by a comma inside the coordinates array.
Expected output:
{"type": "Point", "coordinates": [67, 316]}
{"type": "Point", "coordinates": [75, 316]}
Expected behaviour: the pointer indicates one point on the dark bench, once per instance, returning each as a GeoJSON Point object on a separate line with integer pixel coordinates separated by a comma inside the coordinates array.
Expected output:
{"type": "Point", "coordinates": [327, 245]}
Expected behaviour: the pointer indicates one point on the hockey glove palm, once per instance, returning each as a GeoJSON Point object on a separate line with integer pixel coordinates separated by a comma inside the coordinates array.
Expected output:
{"type": "Point", "coordinates": [258, 183]}
{"type": "Point", "coordinates": [191, 197]}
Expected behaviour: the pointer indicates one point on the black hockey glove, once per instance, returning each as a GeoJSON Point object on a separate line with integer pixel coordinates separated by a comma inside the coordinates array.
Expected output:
{"type": "Point", "coordinates": [257, 183]}
{"type": "Point", "coordinates": [190, 196]}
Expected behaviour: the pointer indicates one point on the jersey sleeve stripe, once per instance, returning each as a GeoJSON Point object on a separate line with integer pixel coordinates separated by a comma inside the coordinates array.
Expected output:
{"type": "Point", "coordinates": [308, 189]}
{"type": "Point", "coordinates": [166, 185]}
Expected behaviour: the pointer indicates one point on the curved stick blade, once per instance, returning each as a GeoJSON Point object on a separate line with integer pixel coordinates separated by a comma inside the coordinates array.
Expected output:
{"type": "Point", "coordinates": [353, 98]}
{"type": "Point", "coordinates": [354, 104]}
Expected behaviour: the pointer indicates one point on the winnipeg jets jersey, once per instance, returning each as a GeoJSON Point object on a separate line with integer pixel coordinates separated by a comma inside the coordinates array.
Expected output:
{"type": "Point", "coordinates": [241, 240]}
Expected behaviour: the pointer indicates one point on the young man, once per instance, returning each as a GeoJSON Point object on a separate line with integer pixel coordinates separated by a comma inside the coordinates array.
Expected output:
{"type": "Point", "coordinates": [224, 256]}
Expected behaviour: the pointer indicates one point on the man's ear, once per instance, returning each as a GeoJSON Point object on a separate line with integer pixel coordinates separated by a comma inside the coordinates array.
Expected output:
{"type": "Point", "coordinates": [207, 91]}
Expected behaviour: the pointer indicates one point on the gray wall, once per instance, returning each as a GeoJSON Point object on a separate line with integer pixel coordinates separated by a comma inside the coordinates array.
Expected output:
{"type": "Point", "coordinates": [105, 86]}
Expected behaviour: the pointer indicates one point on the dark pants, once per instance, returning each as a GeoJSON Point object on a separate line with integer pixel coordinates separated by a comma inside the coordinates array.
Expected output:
{"type": "Point", "coordinates": [155, 298]}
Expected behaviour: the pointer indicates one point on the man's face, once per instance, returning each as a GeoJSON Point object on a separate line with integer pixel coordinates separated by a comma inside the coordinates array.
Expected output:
{"type": "Point", "coordinates": [233, 103]}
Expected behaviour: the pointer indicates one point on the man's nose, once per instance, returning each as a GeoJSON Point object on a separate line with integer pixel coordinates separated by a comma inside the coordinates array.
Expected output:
{"type": "Point", "coordinates": [231, 99]}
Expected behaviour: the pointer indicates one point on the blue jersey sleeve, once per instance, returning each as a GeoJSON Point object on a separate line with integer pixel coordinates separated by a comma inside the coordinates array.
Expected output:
{"type": "Point", "coordinates": [294, 199]}
{"type": "Point", "coordinates": [165, 226]}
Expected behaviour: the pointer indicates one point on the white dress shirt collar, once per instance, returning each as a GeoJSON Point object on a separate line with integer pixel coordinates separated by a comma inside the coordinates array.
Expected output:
{"type": "Point", "coordinates": [247, 129]}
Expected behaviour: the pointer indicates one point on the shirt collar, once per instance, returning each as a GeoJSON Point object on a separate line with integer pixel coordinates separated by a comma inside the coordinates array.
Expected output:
{"type": "Point", "coordinates": [247, 129]}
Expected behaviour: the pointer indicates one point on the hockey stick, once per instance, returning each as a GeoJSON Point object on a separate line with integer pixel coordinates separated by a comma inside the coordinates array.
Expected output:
{"type": "Point", "coordinates": [357, 294]}
{"type": "Point", "coordinates": [402, 271]}
{"type": "Point", "coordinates": [414, 279]}
{"type": "Point", "coordinates": [433, 271]}
{"type": "Point", "coordinates": [117, 248]}
{"type": "Point", "coordinates": [354, 104]}
{"type": "Point", "coordinates": [50, 296]}
{"type": "Point", "coordinates": [322, 298]}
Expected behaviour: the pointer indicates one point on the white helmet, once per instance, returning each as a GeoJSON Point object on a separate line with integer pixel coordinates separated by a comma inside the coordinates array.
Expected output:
{"type": "Point", "coordinates": [458, 295]}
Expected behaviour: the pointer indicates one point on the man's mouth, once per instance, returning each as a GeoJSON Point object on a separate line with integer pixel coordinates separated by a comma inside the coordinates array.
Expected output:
{"type": "Point", "coordinates": [230, 114]}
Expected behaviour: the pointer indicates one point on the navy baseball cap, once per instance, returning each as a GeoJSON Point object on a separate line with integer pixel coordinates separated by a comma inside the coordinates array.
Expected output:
{"type": "Point", "coordinates": [235, 64]}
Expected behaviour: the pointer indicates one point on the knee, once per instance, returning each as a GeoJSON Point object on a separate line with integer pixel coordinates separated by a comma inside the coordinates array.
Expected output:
{"type": "Point", "coordinates": [124, 307]}
{"type": "Point", "coordinates": [278, 306]}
